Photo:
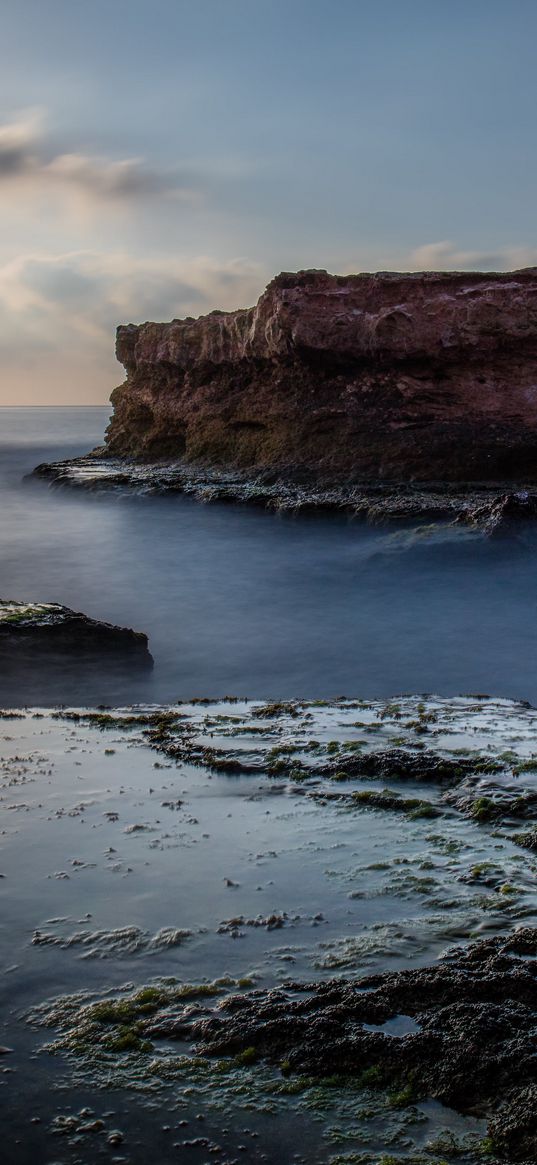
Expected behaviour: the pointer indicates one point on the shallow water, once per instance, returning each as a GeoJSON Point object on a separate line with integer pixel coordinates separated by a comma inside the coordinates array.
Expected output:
{"type": "Point", "coordinates": [237, 600]}
{"type": "Point", "coordinates": [109, 846]}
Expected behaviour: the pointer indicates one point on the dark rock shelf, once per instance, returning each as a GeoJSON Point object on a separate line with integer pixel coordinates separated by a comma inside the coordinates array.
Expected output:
{"type": "Point", "coordinates": [489, 508]}
{"type": "Point", "coordinates": [31, 631]}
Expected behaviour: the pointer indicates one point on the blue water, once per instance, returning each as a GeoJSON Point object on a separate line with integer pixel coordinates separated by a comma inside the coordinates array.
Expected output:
{"type": "Point", "coordinates": [241, 601]}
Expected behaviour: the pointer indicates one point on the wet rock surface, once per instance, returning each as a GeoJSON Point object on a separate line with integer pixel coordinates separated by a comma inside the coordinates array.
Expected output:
{"type": "Point", "coordinates": [484, 785]}
{"type": "Point", "coordinates": [514, 1129]}
{"type": "Point", "coordinates": [501, 514]}
{"type": "Point", "coordinates": [528, 839]}
{"type": "Point", "coordinates": [356, 954]}
{"type": "Point", "coordinates": [485, 509]}
{"type": "Point", "coordinates": [477, 1017]}
{"type": "Point", "coordinates": [29, 631]}
{"type": "Point", "coordinates": [468, 1038]}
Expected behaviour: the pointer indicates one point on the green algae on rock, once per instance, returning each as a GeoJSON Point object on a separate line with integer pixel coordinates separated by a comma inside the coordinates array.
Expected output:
{"type": "Point", "coordinates": [386, 889]}
{"type": "Point", "coordinates": [296, 740]}
{"type": "Point", "coordinates": [471, 1047]}
{"type": "Point", "coordinates": [32, 630]}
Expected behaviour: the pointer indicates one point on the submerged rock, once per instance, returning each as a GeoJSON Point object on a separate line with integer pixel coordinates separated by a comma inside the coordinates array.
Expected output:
{"type": "Point", "coordinates": [320, 747]}
{"type": "Point", "coordinates": [500, 513]}
{"type": "Point", "coordinates": [104, 944]}
{"type": "Point", "coordinates": [29, 631]}
{"type": "Point", "coordinates": [458, 1029]}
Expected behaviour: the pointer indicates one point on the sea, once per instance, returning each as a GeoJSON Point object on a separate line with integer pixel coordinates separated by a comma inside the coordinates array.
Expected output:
{"type": "Point", "coordinates": [238, 600]}
{"type": "Point", "coordinates": [176, 834]}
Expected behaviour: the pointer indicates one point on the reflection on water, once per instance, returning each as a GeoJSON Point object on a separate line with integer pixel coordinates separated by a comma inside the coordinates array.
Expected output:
{"type": "Point", "coordinates": [238, 600]}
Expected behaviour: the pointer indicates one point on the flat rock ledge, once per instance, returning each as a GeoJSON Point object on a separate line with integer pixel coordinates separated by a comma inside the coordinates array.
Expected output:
{"type": "Point", "coordinates": [488, 507]}
{"type": "Point", "coordinates": [32, 630]}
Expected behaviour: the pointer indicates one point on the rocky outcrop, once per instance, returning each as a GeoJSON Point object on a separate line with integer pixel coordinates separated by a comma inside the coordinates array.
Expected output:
{"type": "Point", "coordinates": [360, 378]}
{"type": "Point", "coordinates": [472, 1044]}
{"type": "Point", "coordinates": [30, 632]}
{"type": "Point", "coordinates": [461, 1031]}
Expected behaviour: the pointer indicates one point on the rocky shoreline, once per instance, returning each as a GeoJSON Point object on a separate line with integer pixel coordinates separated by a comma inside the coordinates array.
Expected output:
{"type": "Point", "coordinates": [488, 507]}
{"type": "Point", "coordinates": [384, 396]}
{"type": "Point", "coordinates": [453, 1023]}
{"type": "Point", "coordinates": [470, 1042]}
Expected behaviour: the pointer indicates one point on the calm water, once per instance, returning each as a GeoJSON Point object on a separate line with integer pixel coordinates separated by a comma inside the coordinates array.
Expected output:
{"type": "Point", "coordinates": [100, 832]}
{"type": "Point", "coordinates": [240, 601]}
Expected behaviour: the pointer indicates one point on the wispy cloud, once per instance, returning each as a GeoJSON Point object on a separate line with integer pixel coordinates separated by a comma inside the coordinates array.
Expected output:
{"type": "Point", "coordinates": [446, 256]}
{"type": "Point", "coordinates": [99, 287]}
{"type": "Point", "coordinates": [17, 142]}
{"type": "Point", "coordinates": [28, 157]}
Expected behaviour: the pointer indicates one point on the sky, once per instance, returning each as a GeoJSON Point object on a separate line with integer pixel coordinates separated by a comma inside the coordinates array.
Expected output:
{"type": "Point", "coordinates": [161, 158]}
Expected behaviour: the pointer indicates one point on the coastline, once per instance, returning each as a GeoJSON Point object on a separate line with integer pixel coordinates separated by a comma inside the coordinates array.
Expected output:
{"type": "Point", "coordinates": [367, 949]}
{"type": "Point", "coordinates": [486, 506]}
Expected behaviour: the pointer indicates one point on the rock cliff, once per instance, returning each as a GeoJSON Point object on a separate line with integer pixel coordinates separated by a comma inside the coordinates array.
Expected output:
{"type": "Point", "coordinates": [386, 377]}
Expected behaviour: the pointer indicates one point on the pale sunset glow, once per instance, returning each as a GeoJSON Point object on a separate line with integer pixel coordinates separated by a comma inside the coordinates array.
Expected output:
{"type": "Point", "coordinates": [161, 164]}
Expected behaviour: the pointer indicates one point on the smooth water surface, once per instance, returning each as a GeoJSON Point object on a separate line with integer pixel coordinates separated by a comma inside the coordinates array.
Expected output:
{"type": "Point", "coordinates": [238, 600]}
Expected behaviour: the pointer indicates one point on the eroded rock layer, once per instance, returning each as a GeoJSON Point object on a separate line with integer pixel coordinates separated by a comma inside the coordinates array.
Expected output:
{"type": "Point", "coordinates": [422, 377]}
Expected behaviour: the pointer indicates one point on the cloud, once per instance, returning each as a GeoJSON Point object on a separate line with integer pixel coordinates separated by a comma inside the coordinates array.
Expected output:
{"type": "Point", "coordinates": [100, 286]}
{"type": "Point", "coordinates": [28, 159]}
{"type": "Point", "coordinates": [17, 139]}
{"type": "Point", "coordinates": [445, 256]}
{"type": "Point", "coordinates": [100, 178]}
{"type": "Point", "coordinates": [59, 313]}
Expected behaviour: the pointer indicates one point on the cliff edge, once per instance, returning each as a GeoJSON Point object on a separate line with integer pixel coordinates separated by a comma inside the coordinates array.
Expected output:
{"type": "Point", "coordinates": [385, 377]}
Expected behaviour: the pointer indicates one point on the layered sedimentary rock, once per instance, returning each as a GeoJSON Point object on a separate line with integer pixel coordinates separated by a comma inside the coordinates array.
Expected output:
{"type": "Point", "coordinates": [387, 377]}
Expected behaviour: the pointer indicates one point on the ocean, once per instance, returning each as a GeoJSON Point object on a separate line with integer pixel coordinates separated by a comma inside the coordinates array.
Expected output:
{"type": "Point", "coordinates": [241, 601]}
{"type": "Point", "coordinates": [164, 852]}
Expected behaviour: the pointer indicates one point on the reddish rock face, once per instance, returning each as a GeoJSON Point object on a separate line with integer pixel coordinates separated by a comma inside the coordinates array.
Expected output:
{"type": "Point", "coordinates": [423, 377]}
